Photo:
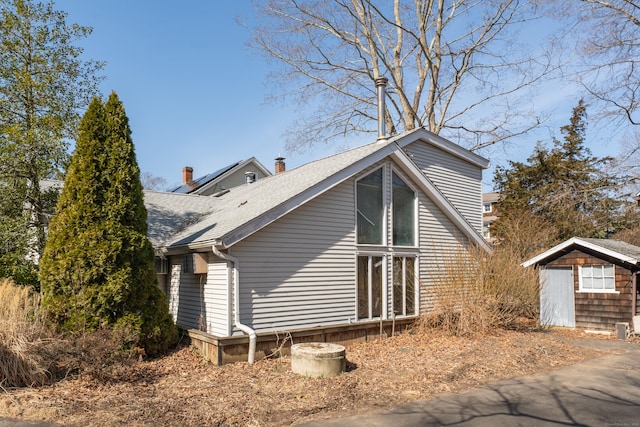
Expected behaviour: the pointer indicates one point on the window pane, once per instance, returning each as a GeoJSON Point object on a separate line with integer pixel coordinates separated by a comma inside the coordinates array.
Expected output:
{"type": "Point", "coordinates": [397, 286]}
{"type": "Point", "coordinates": [376, 287]}
{"type": "Point", "coordinates": [609, 283]}
{"type": "Point", "coordinates": [363, 288]}
{"type": "Point", "coordinates": [587, 283]}
{"type": "Point", "coordinates": [370, 209]}
{"type": "Point", "coordinates": [608, 270]}
{"type": "Point", "coordinates": [411, 286]}
{"type": "Point", "coordinates": [403, 213]}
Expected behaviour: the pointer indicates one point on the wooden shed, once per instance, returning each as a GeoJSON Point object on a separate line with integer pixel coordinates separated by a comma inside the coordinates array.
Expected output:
{"type": "Point", "coordinates": [588, 283]}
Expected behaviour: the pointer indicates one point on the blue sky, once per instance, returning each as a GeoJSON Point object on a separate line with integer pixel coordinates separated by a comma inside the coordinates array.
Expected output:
{"type": "Point", "coordinates": [195, 93]}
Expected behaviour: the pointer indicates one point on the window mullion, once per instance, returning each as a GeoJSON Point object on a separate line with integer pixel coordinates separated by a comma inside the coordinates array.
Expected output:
{"type": "Point", "coordinates": [370, 286]}
{"type": "Point", "coordinates": [404, 286]}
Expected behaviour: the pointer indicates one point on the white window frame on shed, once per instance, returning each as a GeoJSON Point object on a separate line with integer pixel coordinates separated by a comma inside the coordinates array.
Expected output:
{"type": "Point", "coordinates": [597, 278]}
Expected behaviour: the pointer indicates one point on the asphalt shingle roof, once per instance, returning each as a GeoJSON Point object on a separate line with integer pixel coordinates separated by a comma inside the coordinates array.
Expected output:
{"type": "Point", "coordinates": [244, 203]}
{"type": "Point", "coordinates": [618, 246]}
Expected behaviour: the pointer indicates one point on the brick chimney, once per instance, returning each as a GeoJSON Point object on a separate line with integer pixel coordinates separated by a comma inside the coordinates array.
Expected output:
{"type": "Point", "coordinates": [280, 166]}
{"type": "Point", "coordinates": [187, 174]}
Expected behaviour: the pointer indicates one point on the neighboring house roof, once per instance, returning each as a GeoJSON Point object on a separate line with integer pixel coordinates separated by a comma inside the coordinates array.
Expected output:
{"type": "Point", "coordinates": [246, 209]}
{"type": "Point", "coordinates": [491, 197]}
{"type": "Point", "coordinates": [615, 249]}
{"type": "Point", "coordinates": [201, 184]}
{"type": "Point", "coordinates": [48, 184]}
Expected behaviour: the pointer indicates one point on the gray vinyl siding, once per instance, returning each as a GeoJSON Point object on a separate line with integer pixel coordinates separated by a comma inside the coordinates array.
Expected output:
{"type": "Point", "coordinates": [200, 305]}
{"type": "Point", "coordinates": [440, 243]}
{"type": "Point", "coordinates": [216, 298]}
{"type": "Point", "coordinates": [300, 270]}
{"type": "Point", "coordinates": [459, 180]}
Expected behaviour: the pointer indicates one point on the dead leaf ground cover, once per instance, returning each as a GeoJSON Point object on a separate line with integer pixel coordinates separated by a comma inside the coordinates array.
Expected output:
{"type": "Point", "coordinates": [183, 389]}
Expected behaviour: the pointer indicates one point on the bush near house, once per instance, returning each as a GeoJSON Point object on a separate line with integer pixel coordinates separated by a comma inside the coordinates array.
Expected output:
{"type": "Point", "coordinates": [97, 268]}
{"type": "Point", "coordinates": [477, 291]}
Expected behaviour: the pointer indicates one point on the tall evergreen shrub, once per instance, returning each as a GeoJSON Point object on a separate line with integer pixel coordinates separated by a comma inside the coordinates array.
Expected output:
{"type": "Point", "coordinates": [97, 268]}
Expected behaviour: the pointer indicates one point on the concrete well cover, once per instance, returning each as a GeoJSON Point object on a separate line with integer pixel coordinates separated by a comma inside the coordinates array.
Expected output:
{"type": "Point", "coordinates": [318, 359]}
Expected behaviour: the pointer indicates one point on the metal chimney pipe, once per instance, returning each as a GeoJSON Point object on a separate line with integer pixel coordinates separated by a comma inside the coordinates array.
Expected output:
{"type": "Point", "coordinates": [381, 87]}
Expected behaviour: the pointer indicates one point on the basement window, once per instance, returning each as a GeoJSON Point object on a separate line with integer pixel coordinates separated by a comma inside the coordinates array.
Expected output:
{"type": "Point", "coordinates": [597, 278]}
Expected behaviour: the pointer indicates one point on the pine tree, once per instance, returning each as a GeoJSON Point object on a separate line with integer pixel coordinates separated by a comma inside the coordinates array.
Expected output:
{"type": "Point", "coordinates": [44, 82]}
{"type": "Point", "coordinates": [566, 188]}
{"type": "Point", "coordinates": [97, 268]}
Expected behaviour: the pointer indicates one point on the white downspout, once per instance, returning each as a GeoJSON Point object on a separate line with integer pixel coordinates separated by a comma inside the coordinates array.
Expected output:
{"type": "Point", "coordinates": [236, 305]}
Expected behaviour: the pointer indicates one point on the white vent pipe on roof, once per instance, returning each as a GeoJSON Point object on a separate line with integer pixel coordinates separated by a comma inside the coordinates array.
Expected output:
{"type": "Point", "coordinates": [236, 302]}
{"type": "Point", "coordinates": [381, 88]}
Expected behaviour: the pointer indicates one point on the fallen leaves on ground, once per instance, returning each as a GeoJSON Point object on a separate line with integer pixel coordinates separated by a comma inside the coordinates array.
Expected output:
{"type": "Point", "coordinates": [183, 389]}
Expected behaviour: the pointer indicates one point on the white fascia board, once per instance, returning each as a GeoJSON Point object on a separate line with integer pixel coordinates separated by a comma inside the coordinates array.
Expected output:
{"type": "Point", "coordinates": [443, 144]}
{"type": "Point", "coordinates": [259, 165]}
{"type": "Point", "coordinates": [281, 210]}
{"type": "Point", "coordinates": [414, 172]}
{"type": "Point", "coordinates": [580, 243]}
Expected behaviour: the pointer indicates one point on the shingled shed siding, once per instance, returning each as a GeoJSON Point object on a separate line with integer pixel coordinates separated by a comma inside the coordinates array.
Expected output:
{"type": "Point", "coordinates": [593, 310]}
{"type": "Point", "coordinates": [459, 180]}
{"type": "Point", "coordinates": [300, 270]}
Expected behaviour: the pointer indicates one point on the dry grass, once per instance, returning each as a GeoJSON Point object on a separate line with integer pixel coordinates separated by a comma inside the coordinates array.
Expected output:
{"type": "Point", "coordinates": [476, 292]}
{"type": "Point", "coordinates": [182, 389]}
{"type": "Point", "coordinates": [22, 334]}
{"type": "Point", "coordinates": [33, 354]}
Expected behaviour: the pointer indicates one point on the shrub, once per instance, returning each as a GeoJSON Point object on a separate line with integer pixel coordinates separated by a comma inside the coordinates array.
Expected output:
{"type": "Point", "coordinates": [22, 334]}
{"type": "Point", "coordinates": [97, 269]}
{"type": "Point", "coordinates": [476, 291]}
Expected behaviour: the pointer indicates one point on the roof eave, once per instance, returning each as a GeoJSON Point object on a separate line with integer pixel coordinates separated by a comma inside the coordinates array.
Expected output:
{"type": "Point", "coordinates": [576, 241]}
{"type": "Point", "coordinates": [443, 144]}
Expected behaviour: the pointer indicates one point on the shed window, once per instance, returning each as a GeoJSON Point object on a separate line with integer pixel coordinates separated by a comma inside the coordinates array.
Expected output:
{"type": "Point", "coordinates": [597, 278]}
{"type": "Point", "coordinates": [370, 209]}
{"type": "Point", "coordinates": [404, 213]}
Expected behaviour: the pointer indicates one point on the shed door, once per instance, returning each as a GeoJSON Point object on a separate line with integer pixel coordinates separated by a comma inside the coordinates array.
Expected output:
{"type": "Point", "coordinates": [557, 305]}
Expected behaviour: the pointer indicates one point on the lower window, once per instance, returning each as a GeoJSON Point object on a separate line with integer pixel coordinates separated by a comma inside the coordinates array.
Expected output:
{"type": "Point", "coordinates": [370, 269]}
{"type": "Point", "coordinates": [404, 286]}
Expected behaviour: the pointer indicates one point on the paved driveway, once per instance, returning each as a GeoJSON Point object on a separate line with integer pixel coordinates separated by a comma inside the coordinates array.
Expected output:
{"type": "Point", "coordinates": [601, 392]}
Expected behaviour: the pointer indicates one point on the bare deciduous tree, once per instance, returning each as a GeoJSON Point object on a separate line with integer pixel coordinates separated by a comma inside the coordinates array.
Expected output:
{"type": "Point", "coordinates": [454, 67]}
{"type": "Point", "coordinates": [610, 55]}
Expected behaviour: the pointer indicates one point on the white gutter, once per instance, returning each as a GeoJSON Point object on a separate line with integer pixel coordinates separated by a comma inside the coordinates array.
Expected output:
{"type": "Point", "coordinates": [236, 305]}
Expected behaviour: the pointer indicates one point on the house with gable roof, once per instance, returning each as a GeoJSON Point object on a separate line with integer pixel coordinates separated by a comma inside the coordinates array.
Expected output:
{"type": "Point", "coordinates": [229, 176]}
{"type": "Point", "coordinates": [344, 248]}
